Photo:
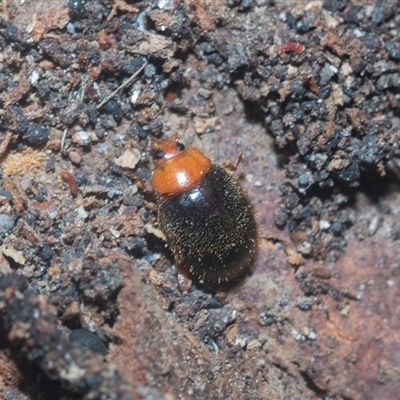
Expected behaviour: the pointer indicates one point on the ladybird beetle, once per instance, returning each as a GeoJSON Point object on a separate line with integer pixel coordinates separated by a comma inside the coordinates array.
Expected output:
{"type": "Point", "coordinates": [205, 215]}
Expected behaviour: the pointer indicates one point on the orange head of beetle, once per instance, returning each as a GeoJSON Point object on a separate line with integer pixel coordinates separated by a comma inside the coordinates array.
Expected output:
{"type": "Point", "coordinates": [177, 169]}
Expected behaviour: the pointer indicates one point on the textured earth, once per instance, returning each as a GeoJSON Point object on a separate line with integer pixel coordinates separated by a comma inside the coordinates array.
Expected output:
{"type": "Point", "coordinates": [92, 304]}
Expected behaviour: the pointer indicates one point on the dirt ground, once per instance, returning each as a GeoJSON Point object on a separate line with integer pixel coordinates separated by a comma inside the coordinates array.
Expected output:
{"type": "Point", "coordinates": [92, 305]}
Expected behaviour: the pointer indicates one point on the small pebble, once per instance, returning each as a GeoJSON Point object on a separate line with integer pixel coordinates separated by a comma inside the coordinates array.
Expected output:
{"type": "Point", "coordinates": [36, 133]}
{"type": "Point", "coordinates": [74, 157]}
{"type": "Point", "coordinates": [77, 8]}
{"type": "Point", "coordinates": [303, 180]}
{"type": "Point", "coordinates": [6, 194]}
{"type": "Point", "coordinates": [129, 159]}
{"type": "Point", "coordinates": [324, 225]}
{"type": "Point", "coordinates": [184, 283]}
{"type": "Point", "coordinates": [393, 50]}
{"type": "Point", "coordinates": [25, 183]}
{"type": "Point", "coordinates": [138, 131]}
{"type": "Point", "coordinates": [134, 65]}
{"type": "Point", "coordinates": [304, 248]}
{"type": "Point", "coordinates": [89, 340]}
{"type": "Point", "coordinates": [149, 71]}
{"type": "Point", "coordinates": [82, 138]}
{"type": "Point", "coordinates": [70, 28]}
{"type": "Point", "coordinates": [82, 212]}
{"type": "Point", "coordinates": [46, 252]}
{"type": "Point", "coordinates": [204, 93]}
{"type": "Point", "coordinates": [6, 223]}
{"type": "Point", "coordinates": [304, 303]}
{"type": "Point", "coordinates": [312, 335]}
{"type": "Point", "coordinates": [327, 73]}
{"type": "Point", "coordinates": [113, 108]}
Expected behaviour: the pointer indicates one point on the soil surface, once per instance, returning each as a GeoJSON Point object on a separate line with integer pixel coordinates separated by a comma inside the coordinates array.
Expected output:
{"type": "Point", "coordinates": [92, 304]}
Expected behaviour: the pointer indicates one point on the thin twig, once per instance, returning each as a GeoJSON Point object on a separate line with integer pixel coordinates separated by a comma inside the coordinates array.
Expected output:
{"type": "Point", "coordinates": [127, 82]}
{"type": "Point", "coordinates": [63, 138]}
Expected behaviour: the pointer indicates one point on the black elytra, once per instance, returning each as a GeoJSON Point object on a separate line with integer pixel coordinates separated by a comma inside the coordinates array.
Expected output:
{"type": "Point", "coordinates": [211, 228]}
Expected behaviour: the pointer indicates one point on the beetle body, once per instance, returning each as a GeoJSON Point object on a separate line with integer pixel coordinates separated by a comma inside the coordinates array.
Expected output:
{"type": "Point", "coordinates": [204, 214]}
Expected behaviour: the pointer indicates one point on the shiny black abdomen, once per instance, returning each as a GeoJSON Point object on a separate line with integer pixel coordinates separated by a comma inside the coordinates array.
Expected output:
{"type": "Point", "coordinates": [211, 229]}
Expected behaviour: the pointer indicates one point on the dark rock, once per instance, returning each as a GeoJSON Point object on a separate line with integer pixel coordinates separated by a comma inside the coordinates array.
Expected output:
{"type": "Point", "coordinates": [89, 340]}
{"type": "Point", "coordinates": [113, 108]}
{"type": "Point", "coordinates": [6, 223]}
{"type": "Point", "coordinates": [46, 252]}
{"type": "Point", "coordinates": [77, 8]}
{"type": "Point", "coordinates": [351, 173]}
{"type": "Point", "coordinates": [36, 133]}
{"type": "Point", "coordinates": [393, 50]}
